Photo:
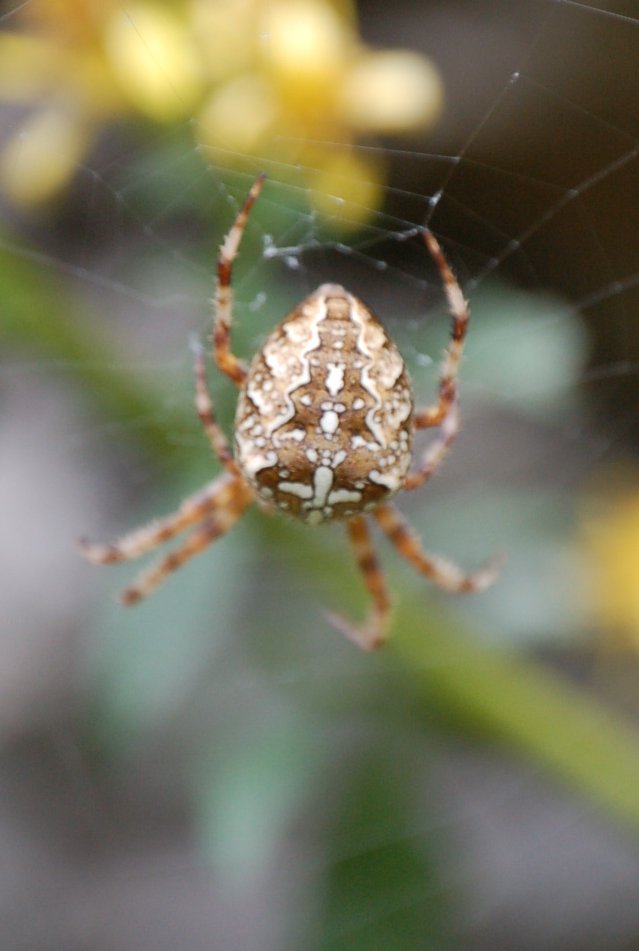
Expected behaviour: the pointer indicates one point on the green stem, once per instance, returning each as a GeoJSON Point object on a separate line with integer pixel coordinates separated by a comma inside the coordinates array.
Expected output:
{"type": "Point", "coordinates": [37, 315]}
{"type": "Point", "coordinates": [520, 703]}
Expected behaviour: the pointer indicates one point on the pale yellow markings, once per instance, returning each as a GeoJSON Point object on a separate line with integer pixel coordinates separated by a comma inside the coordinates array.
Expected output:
{"type": "Point", "coordinates": [303, 331]}
{"type": "Point", "coordinates": [384, 360]}
{"type": "Point", "coordinates": [389, 365]}
{"type": "Point", "coordinates": [363, 323]}
{"type": "Point", "coordinates": [335, 378]}
{"type": "Point", "coordinates": [300, 489]}
{"type": "Point", "coordinates": [343, 495]}
{"type": "Point", "coordinates": [253, 462]}
{"type": "Point", "coordinates": [322, 482]}
{"type": "Point", "coordinates": [298, 435]}
{"type": "Point", "coordinates": [389, 479]}
{"type": "Point", "coordinates": [262, 399]}
{"type": "Point", "coordinates": [329, 422]}
{"type": "Point", "coordinates": [317, 495]}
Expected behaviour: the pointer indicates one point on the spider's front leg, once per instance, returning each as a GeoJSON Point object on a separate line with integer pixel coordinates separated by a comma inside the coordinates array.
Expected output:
{"type": "Point", "coordinates": [373, 633]}
{"type": "Point", "coordinates": [459, 311]}
{"type": "Point", "coordinates": [445, 412]}
{"type": "Point", "coordinates": [228, 363]}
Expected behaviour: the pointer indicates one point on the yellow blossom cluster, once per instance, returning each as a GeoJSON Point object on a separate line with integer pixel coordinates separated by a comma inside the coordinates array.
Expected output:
{"type": "Point", "coordinates": [288, 82]}
{"type": "Point", "coordinates": [611, 536]}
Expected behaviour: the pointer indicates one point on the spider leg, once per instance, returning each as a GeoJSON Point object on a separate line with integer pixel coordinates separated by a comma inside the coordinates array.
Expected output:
{"type": "Point", "coordinates": [458, 307]}
{"type": "Point", "coordinates": [435, 453]}
{"type": "Point", "coordinates": [213, 526]}
{"type": "Point", "coordinates": [224, 492]}
{"type": "Point", "coordinates": [228, 363]}
{"type": "Point", "coordinates": [444, 573]}
{"type": "Point", "coordinates": [374, 631]}
{"type": "Point", "coordinates": [206, 411]}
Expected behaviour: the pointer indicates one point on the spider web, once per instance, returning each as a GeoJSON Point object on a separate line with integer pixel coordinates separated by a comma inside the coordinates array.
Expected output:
{"type": "Point", "coordinates": [530, 181]}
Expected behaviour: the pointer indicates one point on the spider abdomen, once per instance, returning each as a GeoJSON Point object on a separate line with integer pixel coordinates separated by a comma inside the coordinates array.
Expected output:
{"type": "Point", "coordinates": [324, 422]}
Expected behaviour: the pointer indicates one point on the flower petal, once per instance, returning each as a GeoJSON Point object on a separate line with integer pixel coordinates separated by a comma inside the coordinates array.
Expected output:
{"type": "Point", "coordinates": [42, 157]}
{"type": "Point", "coordinates": [390, 92]}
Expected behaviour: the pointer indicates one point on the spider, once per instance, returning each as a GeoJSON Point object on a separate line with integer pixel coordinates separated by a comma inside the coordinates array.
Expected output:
{"type": "Point", "coordinates": [323, 432]}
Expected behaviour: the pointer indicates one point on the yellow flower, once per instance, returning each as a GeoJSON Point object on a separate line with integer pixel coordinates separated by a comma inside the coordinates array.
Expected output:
{"type": "Point", "coordinates": [153, 60]}
{"type": "Point", "coordinates": [31, 170]}
{"type": "Point", "coordinates": [611, 534]}
{"type": "Point", "coordinates": [280, 83]}
{"type": "Point", "coordinates": [81, 63]}
{"type": "Point", "coordinates": [307, 89]}
{"type": "Point", "coordinates": [391, 92]}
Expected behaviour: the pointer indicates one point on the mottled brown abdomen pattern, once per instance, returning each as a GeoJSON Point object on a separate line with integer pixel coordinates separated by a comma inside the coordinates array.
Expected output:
{"type": "Point", "coordinates": [324, 422]}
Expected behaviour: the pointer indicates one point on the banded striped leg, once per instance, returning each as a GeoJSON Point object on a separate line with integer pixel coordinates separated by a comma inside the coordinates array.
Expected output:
{"type": "Point", "coordinates": [214, 525]}
{"type": "Point", "coordinates": [458, 307]}
{"type": "Point", "coordinates": [444, 573]}
{"type": "Point", "coordinates": [206, 411]}
{"type": "Point", "coordinates": [225, 492]}
{"type": "Point", "coordinates": [234, 368]}
{"type": "Point", "coordinates": [434, 454]}
{"type": "Point", "coordinates": [445, 412]}
{"type": "Point", "coordinates": [373, 633]}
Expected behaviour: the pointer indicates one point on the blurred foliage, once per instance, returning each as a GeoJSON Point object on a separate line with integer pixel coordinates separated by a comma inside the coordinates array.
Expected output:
{"type": "Point", "coordinates": [382, 887]}
{"type": "Point", "coordinates": [34, 322]}
{"type": "Point", "coordinates": [537, 379]}
{"type": "Point", "coordinates": [485, 689]}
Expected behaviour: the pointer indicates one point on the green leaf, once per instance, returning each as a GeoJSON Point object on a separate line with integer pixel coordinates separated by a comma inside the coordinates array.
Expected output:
{"type": "Point", "coordinates": [380, 887]}
{"type": "Point", "coordinates": [248, 787]}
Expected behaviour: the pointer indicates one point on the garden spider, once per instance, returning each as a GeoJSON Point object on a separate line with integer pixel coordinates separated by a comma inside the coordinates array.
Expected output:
{"type": "Point", "coordinates": [323, 431]}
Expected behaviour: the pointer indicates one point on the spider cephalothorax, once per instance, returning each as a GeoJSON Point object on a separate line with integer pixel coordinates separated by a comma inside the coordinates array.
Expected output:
{"type": "Point", "coordinates": [323, 431]}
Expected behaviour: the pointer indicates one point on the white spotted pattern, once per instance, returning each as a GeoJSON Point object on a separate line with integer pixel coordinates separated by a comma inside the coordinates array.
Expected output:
{"type": "Point", "coordinates": [324, 421]}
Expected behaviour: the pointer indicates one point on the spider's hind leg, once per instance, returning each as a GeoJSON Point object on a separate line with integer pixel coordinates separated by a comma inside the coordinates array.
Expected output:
{"type": "Point", "coordinates": [373, 633]}
{"type": "Point", "coordinates": [216, 508]}
{"type": "Point", "coordinates": [442, 572]}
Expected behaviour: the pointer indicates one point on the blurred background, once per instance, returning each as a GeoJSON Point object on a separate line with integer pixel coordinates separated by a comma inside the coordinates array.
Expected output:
{"type": "Point", "coordinates": [218, 767]}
